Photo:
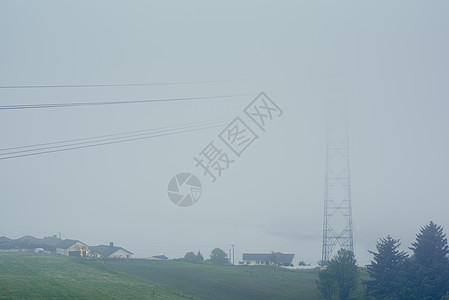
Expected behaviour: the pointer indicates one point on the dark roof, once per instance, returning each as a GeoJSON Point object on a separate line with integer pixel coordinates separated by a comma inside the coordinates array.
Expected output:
{"type": "Point", "coordinates": [107, 250]}
{"type": "Point", "coordinates": [65, 244]}
{"type": "Point", "coordinates": [160, 257]}
{"type": "Point", "coordinates": [283, 258]}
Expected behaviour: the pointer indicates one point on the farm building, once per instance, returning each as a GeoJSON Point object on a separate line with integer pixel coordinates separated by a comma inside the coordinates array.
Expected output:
{"type": "Point", "coordinates": [110, 251]}
{"type": "Point", "coordinates": [268, 258]}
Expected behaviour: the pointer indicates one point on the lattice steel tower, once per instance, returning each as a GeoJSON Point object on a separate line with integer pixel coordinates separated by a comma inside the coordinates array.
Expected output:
{"type": "Point", "coordinates": [337, 224]}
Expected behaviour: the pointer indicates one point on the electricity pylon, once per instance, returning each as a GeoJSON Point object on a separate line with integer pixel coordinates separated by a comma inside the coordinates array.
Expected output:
{"type": "Point", "coordinates": [337, 224]}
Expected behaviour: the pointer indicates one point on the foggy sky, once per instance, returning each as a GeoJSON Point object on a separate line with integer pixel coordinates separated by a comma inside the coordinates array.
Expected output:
{"type": "Point", "coordinates": [387, 59]}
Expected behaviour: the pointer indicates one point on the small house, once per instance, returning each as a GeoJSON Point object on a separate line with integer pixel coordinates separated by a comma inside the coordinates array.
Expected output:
{"type": "Point", "coordinates": [276, 258]}
{"type": "Point", "coordinates": [72, 248]}
{"type": "Point", "coordinates": [110, 251]}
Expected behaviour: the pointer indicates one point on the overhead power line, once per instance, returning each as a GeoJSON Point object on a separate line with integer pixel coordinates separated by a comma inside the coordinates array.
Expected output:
{"type": "Point", "coordinates": [112, 85]}
{"type": "Point", "coordinates": [93, 138]}
{"type": "Point", "coordinates": [67, 145]}
{"type": "Point", "coordinates": [103, 138]}
{"type": "Point", "coordinates": [97, 103]}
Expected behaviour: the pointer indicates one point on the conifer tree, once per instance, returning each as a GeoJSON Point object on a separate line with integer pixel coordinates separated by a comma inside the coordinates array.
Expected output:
{"type": "Point", "coordinates": [428, 270]}
{"type": "Point", "coordinates": [385, 270]}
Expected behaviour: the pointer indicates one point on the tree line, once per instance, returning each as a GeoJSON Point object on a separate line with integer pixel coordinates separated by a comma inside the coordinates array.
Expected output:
{"type": "Point", "coordinates": [393, 274]}
{"type": "Point", "coordinates": [217, 256]}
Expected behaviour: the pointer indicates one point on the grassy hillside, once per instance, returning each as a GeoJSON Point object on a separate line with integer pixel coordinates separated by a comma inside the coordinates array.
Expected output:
{"type": "Point", "coordinates": [227, 282]}
{"type": "Point", "coordinates": [224, 282]}
{"type": "Point", "coordinates": [32, 276]}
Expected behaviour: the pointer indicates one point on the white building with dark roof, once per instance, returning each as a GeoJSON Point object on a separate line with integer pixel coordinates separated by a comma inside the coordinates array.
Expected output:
{"type": "Point", "coordinates": [110, 251]}
{"type": "Point", "coordinates": [266, 258]}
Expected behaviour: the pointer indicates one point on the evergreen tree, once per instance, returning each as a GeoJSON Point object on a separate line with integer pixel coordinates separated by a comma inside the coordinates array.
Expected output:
{"type": "Point", "coordinates": [326, 284]}
{"type": "Point", "coordinates": [340, 276]}
{"type": "Point", "coordinates": [385, 270]}
{"type": "Point", "coordinates": [344, 268]}
{"type": "Point", "coordinates": [428, 276]}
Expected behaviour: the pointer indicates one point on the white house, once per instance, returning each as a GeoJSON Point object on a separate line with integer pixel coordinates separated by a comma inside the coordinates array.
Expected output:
{"type": "Point", "coordinates": [110, 251]}
{"type": "Point", "coordinates": [266, 258]}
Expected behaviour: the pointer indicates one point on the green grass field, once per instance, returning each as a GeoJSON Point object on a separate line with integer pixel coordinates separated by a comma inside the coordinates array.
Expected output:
{"type": "Point", "coordinates": [224, 282]}
{"type": "Point", "coordinates": [205, 281]}
{"type": "Point", "coordinates": [32, 276]}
